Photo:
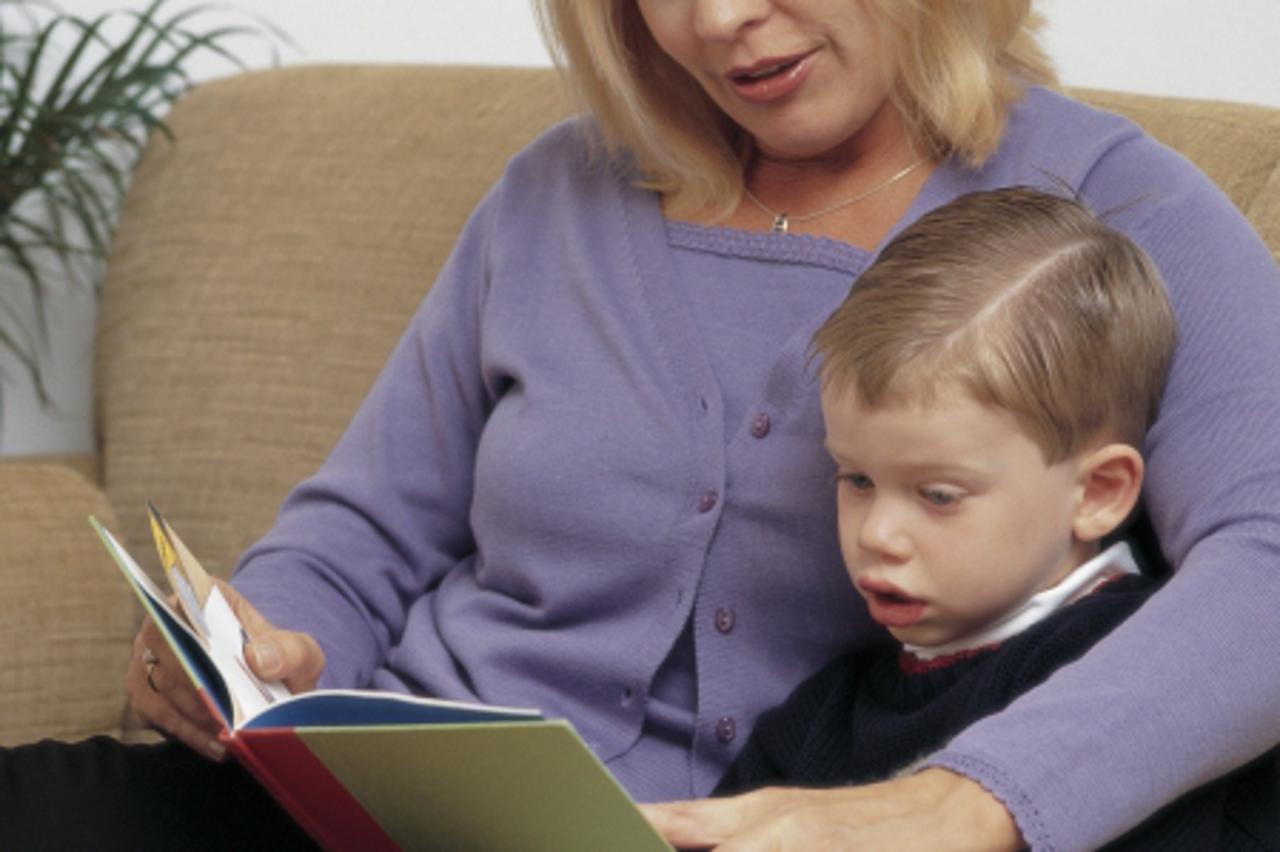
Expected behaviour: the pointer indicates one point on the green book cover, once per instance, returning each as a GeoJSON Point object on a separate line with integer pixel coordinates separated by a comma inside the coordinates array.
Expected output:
{"type": "Point", "coordinates": [529, 786]}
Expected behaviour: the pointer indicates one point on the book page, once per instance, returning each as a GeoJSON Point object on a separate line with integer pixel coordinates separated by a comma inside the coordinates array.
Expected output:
{"type": "Point", "coordinates": [190, 648]}
{"type": "Point", "coordinates": [227, 638]}
{"type": "Point", "coordinates": [211, 616]}
{"type": "Point", "coordinates": [325, 708]}
{"type": "Point", "coordinates": [187, 577]}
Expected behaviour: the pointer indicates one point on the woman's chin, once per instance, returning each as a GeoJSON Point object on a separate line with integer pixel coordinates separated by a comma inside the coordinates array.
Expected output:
{"type": "Point", "coordinates": [799, 144]}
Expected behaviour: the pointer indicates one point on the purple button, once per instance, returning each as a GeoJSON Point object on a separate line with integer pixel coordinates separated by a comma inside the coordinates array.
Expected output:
{"type": "Point", "coordinates": [760, 425]}
{"type": "Point", "coordinates": [708, 501]}
{"type": "Point", "coordinates": [724, 619]}
{"type": "Point", "coordinates": [726, 729]}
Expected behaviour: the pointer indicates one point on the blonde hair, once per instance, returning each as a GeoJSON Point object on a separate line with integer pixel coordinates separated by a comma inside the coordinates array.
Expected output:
{"type": "Point", "coordinates": [1022, 299]}
{"type": "Point", "coordinates": [961, 64]}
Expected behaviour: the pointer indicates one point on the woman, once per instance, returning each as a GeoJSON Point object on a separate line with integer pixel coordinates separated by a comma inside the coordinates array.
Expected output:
{"type": "Point", "coordinates": [591, 477]}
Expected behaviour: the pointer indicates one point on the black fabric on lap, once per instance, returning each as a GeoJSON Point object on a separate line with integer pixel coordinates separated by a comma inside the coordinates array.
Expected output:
{"type": "Point", "coordinates": [101, 794]}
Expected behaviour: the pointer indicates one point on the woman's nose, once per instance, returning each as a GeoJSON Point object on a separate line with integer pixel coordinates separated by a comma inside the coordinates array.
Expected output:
{"type": "Point", "coordinates": [724, 20]}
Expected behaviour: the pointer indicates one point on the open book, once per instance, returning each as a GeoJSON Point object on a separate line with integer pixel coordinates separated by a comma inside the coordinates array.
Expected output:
{"type": "Point", "coordinates": [379, 770]}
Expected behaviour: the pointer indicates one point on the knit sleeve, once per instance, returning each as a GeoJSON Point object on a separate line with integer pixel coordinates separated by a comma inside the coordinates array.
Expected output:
{"type": "Point", "coordinates": [1030, 658]}
{"type": "Point", "coordinates": [386, 516]}
{"type": "Point", "coordinates": [1175, 695]}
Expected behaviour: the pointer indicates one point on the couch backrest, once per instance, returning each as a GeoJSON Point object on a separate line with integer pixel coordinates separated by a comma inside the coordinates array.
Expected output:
{"type": "Point", "coordinates": [266, 263]}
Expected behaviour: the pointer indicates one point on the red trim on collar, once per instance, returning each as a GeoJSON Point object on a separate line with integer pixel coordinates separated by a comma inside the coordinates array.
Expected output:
{"type": "Point", "coordinates": [911, 664]}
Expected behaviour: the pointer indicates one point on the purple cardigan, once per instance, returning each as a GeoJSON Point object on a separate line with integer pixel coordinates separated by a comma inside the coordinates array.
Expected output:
{"type": "Point", "coordinates": [599, 429]}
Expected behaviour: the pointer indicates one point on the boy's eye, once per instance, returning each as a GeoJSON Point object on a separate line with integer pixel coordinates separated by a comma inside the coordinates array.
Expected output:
{"type": "Point", "coordinates": [940, 497]}
{"type": "Point", "coordinates": [860, 481]}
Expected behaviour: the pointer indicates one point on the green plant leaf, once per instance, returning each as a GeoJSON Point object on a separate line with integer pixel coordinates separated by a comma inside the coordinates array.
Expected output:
{"type": "Point", "coordinates": [23, 91]}
{"type": "Point", "coordinates": [88, 35]}
{"type": "Point", "coordinates": [78, 102]}
{"type": "Point", "coordinates": [24, 263]}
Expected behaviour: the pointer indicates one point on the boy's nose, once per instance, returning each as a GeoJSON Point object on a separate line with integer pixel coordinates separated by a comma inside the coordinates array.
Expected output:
{"type": "Point", "coordinates": [883, 533]}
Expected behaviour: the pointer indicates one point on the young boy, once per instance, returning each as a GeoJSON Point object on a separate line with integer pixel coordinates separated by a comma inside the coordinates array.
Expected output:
{"type": "Point", "coordinates": [985, 387]}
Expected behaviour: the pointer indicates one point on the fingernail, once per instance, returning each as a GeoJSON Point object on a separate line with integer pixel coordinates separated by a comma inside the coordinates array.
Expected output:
{"type": "Point", "coordinates": [267, 657]}
{"type": "Point", "coordinates": [216, 749]}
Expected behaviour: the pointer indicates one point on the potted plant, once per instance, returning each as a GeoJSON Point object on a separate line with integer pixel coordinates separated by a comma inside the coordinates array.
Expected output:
{"type": "Point", "coordinates": [78, 98]}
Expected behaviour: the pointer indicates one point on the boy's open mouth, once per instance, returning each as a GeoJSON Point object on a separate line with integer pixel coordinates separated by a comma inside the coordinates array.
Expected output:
{"type": "Point", "coordinates": [889, 605]}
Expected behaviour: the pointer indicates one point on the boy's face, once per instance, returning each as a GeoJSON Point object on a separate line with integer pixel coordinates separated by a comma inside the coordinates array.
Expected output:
{"type": "Point", "coordinates": [949, 515]}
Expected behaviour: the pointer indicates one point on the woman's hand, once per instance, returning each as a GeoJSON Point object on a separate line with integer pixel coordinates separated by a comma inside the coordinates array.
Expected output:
{"type": "Point", "coordinates": [164, 699]}
{"type": "Point", "coordinates": [931, 810]}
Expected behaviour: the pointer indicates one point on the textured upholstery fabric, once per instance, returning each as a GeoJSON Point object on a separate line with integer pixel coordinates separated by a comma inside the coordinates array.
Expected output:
{"type": "Point", "coordinates": [264, 266]}
{"type": "Point", "coordinates": [67, 617]}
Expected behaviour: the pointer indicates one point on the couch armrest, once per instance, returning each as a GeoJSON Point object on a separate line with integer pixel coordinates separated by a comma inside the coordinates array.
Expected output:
{"type": "Point", "coordinates": [69, 618]}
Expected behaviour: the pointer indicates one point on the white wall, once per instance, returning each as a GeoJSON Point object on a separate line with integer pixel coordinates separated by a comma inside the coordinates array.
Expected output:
{"type": "Point", "coordinates": [1193, 48]}
{"type": "Point", "coordinates": [1197, 48]}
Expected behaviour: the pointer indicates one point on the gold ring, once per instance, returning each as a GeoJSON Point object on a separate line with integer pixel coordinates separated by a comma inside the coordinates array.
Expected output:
{"type": "Point", "coordinates": [150, 660]}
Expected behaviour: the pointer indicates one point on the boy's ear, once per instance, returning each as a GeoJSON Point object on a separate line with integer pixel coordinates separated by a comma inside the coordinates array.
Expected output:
{"type": "Point", "coordinates": [1110, 481]}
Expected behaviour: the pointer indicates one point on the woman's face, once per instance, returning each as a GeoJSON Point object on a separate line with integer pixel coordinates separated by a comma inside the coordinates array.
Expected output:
{"type": "Point", "coordinates": [803, 77]}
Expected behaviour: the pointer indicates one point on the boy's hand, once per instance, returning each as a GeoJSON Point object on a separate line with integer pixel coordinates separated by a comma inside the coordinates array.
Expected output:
{"type": "Point", "coordinates": [931, 810]}
{"type": "Point", "coordinates": [164, 698]}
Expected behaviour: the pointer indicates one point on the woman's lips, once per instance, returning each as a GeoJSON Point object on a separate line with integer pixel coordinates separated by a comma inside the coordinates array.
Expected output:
{"type": "Point", "coordinates": [889, 605]}
{"type": "Point", "coordinates": [771, 79]}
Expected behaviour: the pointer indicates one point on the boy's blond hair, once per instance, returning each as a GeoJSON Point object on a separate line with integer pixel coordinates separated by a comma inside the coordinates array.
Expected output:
{"type": "Point", "coordinates": [961, 65]}
{"type": "Point", "coordinates": [1022, 299]}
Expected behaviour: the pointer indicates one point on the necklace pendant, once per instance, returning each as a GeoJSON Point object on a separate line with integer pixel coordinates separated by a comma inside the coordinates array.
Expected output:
{"type": "Point", "coordinates": [780, 223]}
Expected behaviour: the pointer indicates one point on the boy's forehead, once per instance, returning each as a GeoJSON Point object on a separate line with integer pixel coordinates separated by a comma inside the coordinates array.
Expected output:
{"type": "Point", "coordinates": [910, 392]}
{"type": "Point", "coordinates": [952, 430]}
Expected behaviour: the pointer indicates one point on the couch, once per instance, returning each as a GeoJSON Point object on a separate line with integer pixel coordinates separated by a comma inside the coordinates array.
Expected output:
{"type": "Point", "coordinates": [264, 265]}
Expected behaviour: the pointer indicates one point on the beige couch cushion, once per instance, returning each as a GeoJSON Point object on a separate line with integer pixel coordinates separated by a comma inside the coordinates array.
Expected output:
{"type": "Point", "coordinates": [68, 615]}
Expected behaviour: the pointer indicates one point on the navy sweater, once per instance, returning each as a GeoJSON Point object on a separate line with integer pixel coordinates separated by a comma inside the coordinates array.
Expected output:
{"type": "Point", "coordinates": [869, 715]}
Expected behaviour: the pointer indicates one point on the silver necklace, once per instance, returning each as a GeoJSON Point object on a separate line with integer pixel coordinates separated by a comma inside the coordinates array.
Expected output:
{"type": "Point", "coordinates": [782, 221]}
